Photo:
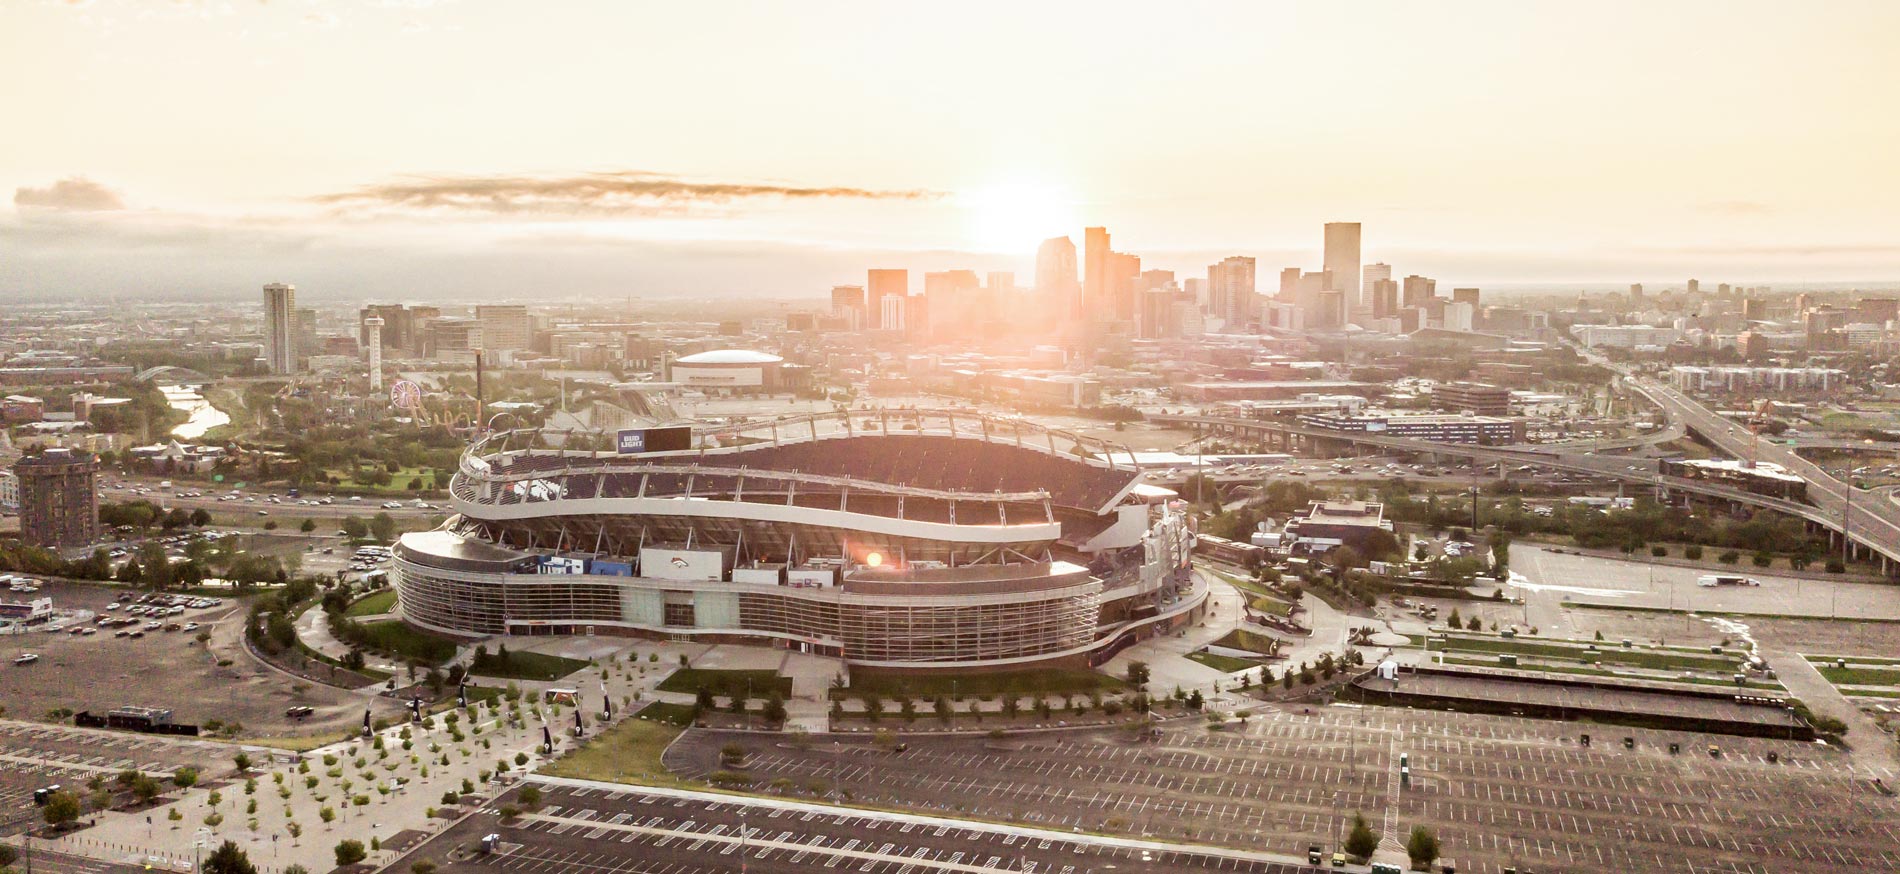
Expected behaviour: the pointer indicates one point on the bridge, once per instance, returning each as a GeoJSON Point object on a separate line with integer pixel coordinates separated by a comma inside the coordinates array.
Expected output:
{"type": "Point", "coordinates": [166, 374]}
{"type": "Point", "coordinates": [1872, 531]}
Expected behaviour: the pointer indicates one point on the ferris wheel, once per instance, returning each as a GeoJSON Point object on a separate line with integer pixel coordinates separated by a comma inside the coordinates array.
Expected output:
{"type": "Point", "coordinates": [405, 395]}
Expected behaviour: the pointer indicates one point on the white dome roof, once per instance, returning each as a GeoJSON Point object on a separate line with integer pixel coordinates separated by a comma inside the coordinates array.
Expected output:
{"type": "Point", "coordinates": [730, 356]}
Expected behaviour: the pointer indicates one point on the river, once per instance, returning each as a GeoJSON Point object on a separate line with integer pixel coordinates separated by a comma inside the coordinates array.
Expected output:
{"type": "Point", "coordinates": [204, 416]}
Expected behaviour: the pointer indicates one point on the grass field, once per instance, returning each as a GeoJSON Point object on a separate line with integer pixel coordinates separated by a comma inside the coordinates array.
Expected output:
{"type": "Point", "coordinates": [1606, 654]}
{"type": "Point", "coordinates": [761, 684]}
{"type": "Point", "coordinates": [627, 753]}
{"type": "Point", "coordinates": [398, 482]}
{"type": "Point", "coordinates": [1860, 676]}
{"type": "Point", "coordinates": [1852, 660]}
{"type": "Point", "coordinates": [679, 715]}
{"type": "Point", "coordinates": [1584, 670]}
{"type": "Point", "coordinates": [374, 605]}
{"type": "Point", "coordinates": [408, 643]}
{"type": "Point", "coordinates": [1228, 664]}
{"type": "Point", "coordinates": [525, 666]}
{"type": "Point", "coordinates": [1241, 638]}
{"type": "Point", "coordinates": [1055, 681]}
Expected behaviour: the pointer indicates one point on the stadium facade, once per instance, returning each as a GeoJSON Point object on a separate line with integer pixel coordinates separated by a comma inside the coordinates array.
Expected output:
{"type": "Point", "coordinates": [905, 541]}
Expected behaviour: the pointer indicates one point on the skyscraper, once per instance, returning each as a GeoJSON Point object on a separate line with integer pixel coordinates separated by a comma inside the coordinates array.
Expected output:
{"type": "Point", "coordinates": [1055, 277]}
{"type": "Point", "coordinates": [882, 283]}
{"type": "Point", "coordinates": [1119, 284]}
{"type": "Point", "coordinates": [59, 498]}
{"type": "Point", "coordinates": [847, 303]}
{"type": "Point", "coordinates": [1371, 274]}
{"type": "Point", "coordinates": [1000, 280]}
{"type": "Point", "coordinates": [1342, 260]}
{"type": "Point", "coordinates": [1289, 284]}
{"type": "Point", "coordinates": [1465, 295]}
{"type": "Point", "coordinates": [280, 327]}
{"type": "Point", "coordinates": [1095, 294]}
{"type": "Point", "coordinates": [1417, 291]}
{"type": "Point", "coordinates": [1385, 298]}
{"type": "Point", "coordinates": [504, 326]}
{"type": "Point", "coordinates": [1231, 290]}
{"type": "Point", "coordinates": [373, 346]}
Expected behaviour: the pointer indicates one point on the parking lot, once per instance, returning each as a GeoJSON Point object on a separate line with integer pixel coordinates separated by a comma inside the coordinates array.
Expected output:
{"type": "Point", "coordinates": [33, 756]}
{"type": "Point", "coordinates": [604, 831]}
{"type": "Point", "coordinates": [1498, 791]}
{"type": "Point", "coordinates": [163, 669]}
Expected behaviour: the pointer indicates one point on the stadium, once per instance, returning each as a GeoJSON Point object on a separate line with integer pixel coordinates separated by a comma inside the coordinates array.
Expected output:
{"type": "Point", "coordinates": [892, 540]}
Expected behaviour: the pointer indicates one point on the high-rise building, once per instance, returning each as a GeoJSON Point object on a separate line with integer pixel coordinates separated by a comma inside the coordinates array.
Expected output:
{"type": "Point", "coordinates": [1417, 290]}
{"type": "Point", "coordinates": [1465, 295]}
{"type": "Point", "coordinates": [504, 326]}
{"type": "Point", "coordinates": [1755, 309]}
{"type": "Point", "coordinates": [1385, 298]}
{"type": "Point", "coordinates": [1342, 261]}
{"type": "Point", "coordinates": [1370, 274]}
{"type": "Point", "coordinates": [880, 284]}
{"type": "Point", "coordinates": [306, 331]}
{"type": "Point", "coordinates": [847, 303]}
{"type": "Point", "coordinates": [1877, 310]}
{"type": "Point", "coordinates": [1695, 286]}
{"type": "Point", "coordinates": [1056, 282]}
{"type": "Point", "coordinates": [951, 299]}
{"type": "Point", "coordinates": [1119, 284]}
{"type": "Point", "coordinates": [1289, 284]}
{"type": "Point", "coordinates": [399, 331]}
{"type": "Point", "coordinates": [373, 348]}
{"type": "Point", "coordinates": [890, 315]}
{"type": "Point", "coordinates": [59, 498]}
{"type": "Point", "coordinates": [1231, 290]}
{"type": "Point", "coordinates": [280, 327]}
{"type": "Point", "coordinates": [1636, 294]}
{"type": "Point", "coordinates": [1095, 294]}
{"type": "Point", "coordinates": [1000, 280]}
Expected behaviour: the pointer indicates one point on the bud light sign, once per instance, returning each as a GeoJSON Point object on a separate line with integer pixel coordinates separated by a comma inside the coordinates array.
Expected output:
{"type": "Point", "coordinates": [634, 441]}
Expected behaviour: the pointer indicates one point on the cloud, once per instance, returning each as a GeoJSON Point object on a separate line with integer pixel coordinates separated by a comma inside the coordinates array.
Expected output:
{"type": "Point", "coordinates": [624, 193]}
{"type": "Point", "coordinates": [72, 194]}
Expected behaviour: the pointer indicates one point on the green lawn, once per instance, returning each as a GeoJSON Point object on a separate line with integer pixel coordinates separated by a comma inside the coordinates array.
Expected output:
{"type": "Point", "coordinates": [1241, 638]}
{"type": "Point", "coordinates": [398, 482]}
{"type": "Point", "coordinates": [1226, 664]}
{"type": "Point", "coordinates": [374, 605]}
{"type": "Point", "coordinates": [525, 666]}
{"type": "Point", "coordinates": [1053, 681]}
{"type": "Point", "coordinates": [627, 753]}
{"type": "Point", "coordinates": [680, 715]}
{"type": "Point", "coordinates": [1860, 676]}
{"type": "Point", "coordinates": [1607, 654]}
{"type": "Point", "coordinates": [408, 643]}
{"type": "Point", "coordinates": [1852, 660]}
{"type": "Point", "coordinates": [760, 684]}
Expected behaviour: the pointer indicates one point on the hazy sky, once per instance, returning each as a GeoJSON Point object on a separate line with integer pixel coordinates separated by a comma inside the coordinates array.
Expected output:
{"type": "Point", "coordinates": [426, 148]}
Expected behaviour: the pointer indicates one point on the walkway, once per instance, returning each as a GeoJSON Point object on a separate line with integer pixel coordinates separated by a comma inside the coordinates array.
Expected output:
{"type": "Point", "coordinates": [1869, 746]}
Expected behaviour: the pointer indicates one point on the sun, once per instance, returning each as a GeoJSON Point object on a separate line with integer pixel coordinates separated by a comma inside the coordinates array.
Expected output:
{"type": "Point", "coordinates": [1015, 215]}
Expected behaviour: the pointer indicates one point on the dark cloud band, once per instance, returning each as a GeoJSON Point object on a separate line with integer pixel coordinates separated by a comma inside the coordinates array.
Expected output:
{"type": "Point", "coordinates": [621, 193]}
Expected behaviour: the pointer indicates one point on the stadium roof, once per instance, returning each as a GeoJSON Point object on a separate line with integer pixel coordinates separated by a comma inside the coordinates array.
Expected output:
{"type": "Point", "coordinates": [730, 356]}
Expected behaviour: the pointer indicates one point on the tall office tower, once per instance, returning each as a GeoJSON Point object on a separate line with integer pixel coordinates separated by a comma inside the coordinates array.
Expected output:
{"type": "Point", "coordinates": [373, 345]}
{"type": "Point", "coordinates": [504, 326]}
{"type": "Point", "coordinates": [1465, 295]}
{"type": "Point", "coordinates": [1371, 274]}
{"type": "Point", "coordinates": [1289, 284]}
{"type": "Point", "coordinates": [306, 331]}
{"type": "Point", "coordinates": [1095, 293]}
{"type": "Point", "coordinates": [1755, 309]}
{"type": "Point", "coordinates": [1721, 290]}
{"type": "Point", "coordinates": [1197, 288]}
{"type": "Point", "coordinates": [1000, 280]}
{"type": "Point", "coordinates": [1231, 290]}
{"type": "Point", "coordinates": [847, 303]}
{"type": "Point", "coordinates": [1385, 298]}
{"type": "Point", "coordinates": [280, 327]}
{"type": "Point", "coordinates": [1342, 261]}
{"type": "Point", "coordinates": [1306, 294]}
{"type": "Point", "coordinates": [1636, 294]}
{"type": "Point", "coordinates": [1695, 286]}
{"type": "Point", "coordinates": [880, 284]}
{"type": "Point", "coordinates": [59, 498]}
{"type": "Point", "coordinates": [1056, 282]}
{"type": "Point", "coordinates": [1417, 290]}
{"type": "Point", "coordinates": [1119, 284]}
{"type": "Point", "coordinates": [890, 315]}
{"type": "Point", "coordinates": [950, 300]}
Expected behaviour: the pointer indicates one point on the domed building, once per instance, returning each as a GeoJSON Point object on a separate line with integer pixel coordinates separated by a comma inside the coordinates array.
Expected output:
{"type": "Point", "coordinates": [731, 371]}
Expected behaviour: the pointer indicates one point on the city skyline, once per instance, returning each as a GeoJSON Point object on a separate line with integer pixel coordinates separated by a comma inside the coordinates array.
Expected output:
{"type": "Point", "coordinates": [1609, 155]}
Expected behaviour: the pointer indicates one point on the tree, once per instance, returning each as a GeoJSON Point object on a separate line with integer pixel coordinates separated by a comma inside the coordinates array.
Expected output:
{"type": "Point", "coordinates": [200, 518]}
{"type": "Point", "coordinates": [1138, 674]}
{"type": "Point", "coordinates": [355, 528]}
{"type": "Point", "coordinates": [1361, 842]}
{"type": "Point", "coordinates": [185, 777]}
{"type": "Point", "coordinates": [228, 858]}
{"type": "Point", "coordinates": [61, 810]}
{"type": "Point", "coordinates": [308, 526]}
{"type": "Point", "coordinates": [1422, 846]}
{"type": "Point", "coordinates": [530, 797]}
{"type": "Point", "coordinates": [382, 526]}
{"type": "Point", "coordinates": [349, 852]}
